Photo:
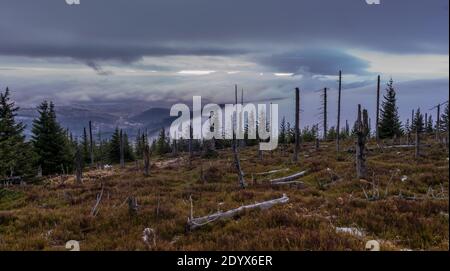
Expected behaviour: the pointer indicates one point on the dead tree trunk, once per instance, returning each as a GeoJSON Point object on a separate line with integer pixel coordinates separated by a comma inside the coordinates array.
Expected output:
{"type": "Point", "coordinates": [194, 223]}
{"type": "Point", "coordinates": [78, 166]}
{"type": "Point", "coordinates": [100, 148]}
{"type": "Point", "coordinates": [91, 145]}
{"type": "Point", "coordinates": [325, 109]}
{"type": "Point", "coordinates": [377, 132]}
{"type": "Point", "coordinates": [237, 162]}
{"type": "Point", "coordinates": [297, 124]}
{"type": "Point", "coordinates": [242, 121]}
{"type": "Point", "coordinates": [121, 147]}
{"type": "Point", "coordinates": [175, 148]}
{"type": "Point", "coordinates": [191, 150]}
{"type": "Point", "coordinates": [362, 130]}
{"type": "Point", "coordinates": [438, 123]}
{"type": "Point", "coordinates": [288, 179]}
{"type": "Point", "coordinates": [338, 126]}
{"type": "Point", "coordinates": [146, 160]}
{"type": "Point", "coordinates": [447, 137]}
{"type": "Point", "coordinates": [417, 144]}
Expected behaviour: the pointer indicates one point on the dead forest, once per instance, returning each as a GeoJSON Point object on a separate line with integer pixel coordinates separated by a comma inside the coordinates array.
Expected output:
{"type": "Point", "coordinates": [323, 188]}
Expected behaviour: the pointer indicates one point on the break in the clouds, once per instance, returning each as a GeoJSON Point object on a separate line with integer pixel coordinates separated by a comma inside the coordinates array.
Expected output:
{"type": "Point", "coordinates": [164, 51]}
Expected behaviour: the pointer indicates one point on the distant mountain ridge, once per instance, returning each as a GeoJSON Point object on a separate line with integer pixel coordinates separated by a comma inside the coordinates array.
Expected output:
{"type": "Point", "coordinates": [104, 120]}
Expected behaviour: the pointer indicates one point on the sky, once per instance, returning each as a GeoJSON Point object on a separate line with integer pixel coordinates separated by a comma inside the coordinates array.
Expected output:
{"type": "Point", "coordinates": [166, 51]}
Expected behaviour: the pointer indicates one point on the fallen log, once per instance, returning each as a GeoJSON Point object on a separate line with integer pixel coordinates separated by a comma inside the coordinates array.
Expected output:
{"type": "Point", "coordinates": [288, 178]}
{"type": "Point", "coordinates": [194, 223]}
{"type": "Point", "coordinates": [301, 184]}
{"type": "Point", "coordinates": [271, 172]}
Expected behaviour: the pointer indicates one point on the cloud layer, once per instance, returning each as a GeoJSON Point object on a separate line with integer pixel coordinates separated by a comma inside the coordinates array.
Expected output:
{"type": "Point", "coordinates": [164, 51]}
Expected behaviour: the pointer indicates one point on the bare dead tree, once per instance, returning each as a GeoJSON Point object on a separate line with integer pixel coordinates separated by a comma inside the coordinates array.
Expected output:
{"type": "Point", "coordinates": [241, 120]}
{"type": "Point", "coordinates": [175, 146]}
{"type": "Point", "coordinates": [121, 147]}
{"type": "Point", "coordinates": [338, 126]}
{"type": "Point", "coordinates": [78, 166]}
{"type": "Point", "coordinates": [325, 109]}
{"type": "Point", "coordinates": [91, 145]}
{"type": "Point", "coordinates": [297, 124]}
{"type": "Point", "coordinates": [146, 160]}
{"type": "Point", "coordinates": [191, 150]}
{"type": "Point", "coordinates": [438, 120]}
{"type": "Point", "coordinates": [377, 121]}
{"type": "Point", "coordinates": [362, 131]}
{"type": "Point", "coordinates": [438, 126]}
{"type": "Point", "coordinates": [417, 143]}
{"type": "Point", "coordinates": [100, 148]}
{"type": "Point", "coordinates": [235, 144]}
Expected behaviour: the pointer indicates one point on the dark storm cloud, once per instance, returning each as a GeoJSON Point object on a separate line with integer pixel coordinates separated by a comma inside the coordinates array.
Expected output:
{"type": "Point", "coordinates": [127, 30]}
{"type": "Point", "coordinates": [126, 53]}
{"type": "Point", "coordinates": [316, 61]}
{"type": "Point", "coordinates": [97, 68]}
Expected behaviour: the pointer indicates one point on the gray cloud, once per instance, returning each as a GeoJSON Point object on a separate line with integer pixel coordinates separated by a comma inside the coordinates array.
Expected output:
{"type": "Point", "coordinates": [316, 61]}
{"type": "Point", "coordinates": [97, 68]}
{"type": "Point", "coordinates": [43, 42]}
{"type": "Point", "coordinates": [126, 31]}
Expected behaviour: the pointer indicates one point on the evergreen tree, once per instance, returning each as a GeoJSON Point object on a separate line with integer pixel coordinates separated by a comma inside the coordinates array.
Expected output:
{"type": "Point", "coordinates": [139, 145]}
{"type": "Point", "coordinates": [407, 127]}
{"type": "Point", "coordinates": [85, 147]}
{"type": "Point", "coordinates": [331, 134]}
{"type": "Point", "coordinates": [309, 134]}
{"type": "Point", "coordinates": [444, 120]}
{"type": "Point", "coordinates": [50, 143]}
{"type": "Point", "coordinates": [419, 124]}
{"type": "Point", "coordinates": [15, 154]}
{"type": "Point", "coordinates": [429, 126]}
{"type": "Point", "coordinates": [289, 133]}
{"type": "Point", "coordinates": [114, 147]}
{"type": "Point", "coordinates": [128, 153]}
{"type": "Point", "coordinates": [390, 124]}
{"type": "Point", "coordinates": [162, 143]}
{"type": "Point", "coordinates": [282, 134]}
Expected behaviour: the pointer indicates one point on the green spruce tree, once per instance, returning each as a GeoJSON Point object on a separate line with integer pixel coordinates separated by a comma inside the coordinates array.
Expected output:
{"type": "Point", "coordinates": [15, 154]}
{"type": "Point", "coordinates": [50, 142]}
{"type": "Point", "coordinates": [162, 143]}
{"type": "Point", "coordinates": [282, 134]}
{"type": "Point", "coordinates": [419, 124]}
{"type": "Point", "coordinates": [444, 120]}
{"type": "Point", "coordinates": [390, 124]}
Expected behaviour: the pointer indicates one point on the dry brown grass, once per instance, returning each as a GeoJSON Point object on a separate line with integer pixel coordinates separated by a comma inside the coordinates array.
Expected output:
{"type": "Point", "coordinates": [45, 216]}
